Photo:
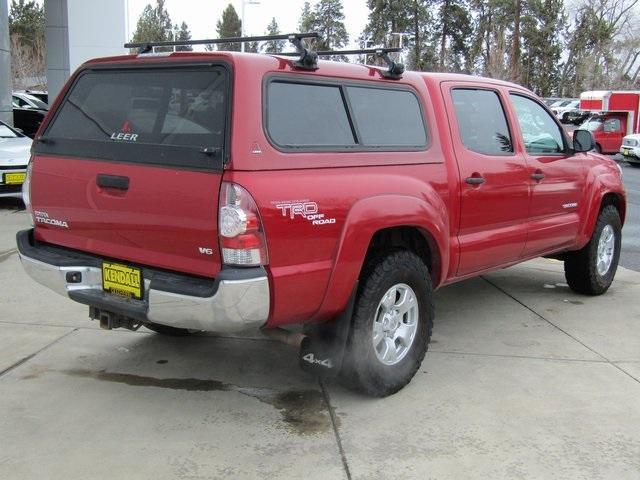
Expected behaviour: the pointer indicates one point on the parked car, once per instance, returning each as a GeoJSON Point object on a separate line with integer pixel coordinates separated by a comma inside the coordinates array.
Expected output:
{"type": "Point", "coordinates": [575, 117]}
{"type": "Point", "coordinates": [39, 94]}
{"type": "Point", "coordinates": [14, 157]}
{"type": "Point", "coordinates": [630, 149]}
{"type": "Point", "coordinates": [333, 195]}
{"type": "Point", "coordinates": [28, 112]}
{"type": "Point", "coordinates": [560, 111]}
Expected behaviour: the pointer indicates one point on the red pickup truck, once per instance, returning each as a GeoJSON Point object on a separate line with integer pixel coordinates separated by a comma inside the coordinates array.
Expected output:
{"type": "Point", "coordinates": [230, 192]}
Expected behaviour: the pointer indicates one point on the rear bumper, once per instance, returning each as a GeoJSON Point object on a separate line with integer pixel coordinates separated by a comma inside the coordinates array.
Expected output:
{"type": "Point", "coordinates": [237, 300]}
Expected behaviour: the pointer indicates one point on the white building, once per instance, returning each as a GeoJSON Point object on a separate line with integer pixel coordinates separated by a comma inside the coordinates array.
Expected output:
{"type": "Point", "coordinates": [76, 30]}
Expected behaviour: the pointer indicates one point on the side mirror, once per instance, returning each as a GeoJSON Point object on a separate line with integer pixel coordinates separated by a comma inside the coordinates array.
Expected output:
{"type": "Point", "coordinates": [583, 141]}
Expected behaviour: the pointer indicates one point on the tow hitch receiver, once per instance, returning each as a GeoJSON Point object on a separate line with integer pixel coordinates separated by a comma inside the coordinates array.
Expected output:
{"type": "Point", "coordinates": [110, 320]}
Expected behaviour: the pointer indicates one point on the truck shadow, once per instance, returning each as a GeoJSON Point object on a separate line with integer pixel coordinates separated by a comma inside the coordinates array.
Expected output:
{"type": "Point", "coordinates": [11, 204]}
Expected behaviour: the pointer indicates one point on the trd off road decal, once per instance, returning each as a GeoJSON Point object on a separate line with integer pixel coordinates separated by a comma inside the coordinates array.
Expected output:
{"type": "Point", "coordinates": [303, 208]}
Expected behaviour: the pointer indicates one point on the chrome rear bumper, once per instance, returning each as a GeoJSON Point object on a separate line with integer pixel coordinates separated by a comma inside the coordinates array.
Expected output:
{"type": "Point", "coordinates": [237, 304]}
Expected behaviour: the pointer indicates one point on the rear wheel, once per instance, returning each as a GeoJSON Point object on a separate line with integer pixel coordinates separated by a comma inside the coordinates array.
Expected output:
{"type": "Point", "coordinates": [391, 325]}
{"type": "Point", "coordinates": [167, 330]}
{"type": "Point", "coordinates": [591, 270]}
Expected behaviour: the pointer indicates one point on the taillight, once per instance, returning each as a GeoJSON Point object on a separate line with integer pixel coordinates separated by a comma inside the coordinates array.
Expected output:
{"type": "Point", "coordinates": [241, 234]}
{"type": "Point", "coordinates": [26, 191]}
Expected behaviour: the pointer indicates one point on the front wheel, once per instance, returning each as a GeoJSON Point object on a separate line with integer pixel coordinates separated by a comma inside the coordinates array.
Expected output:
{"type": "Point", "coordinates": [591, 270]}
{"type": "Point", "coordinates": [391, 325]}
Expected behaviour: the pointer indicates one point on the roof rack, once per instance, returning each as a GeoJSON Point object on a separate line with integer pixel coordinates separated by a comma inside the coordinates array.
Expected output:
{"type": "Point", "coordinates": [307, 61]}
{"type": "Point", "coordinates": [394, 72]}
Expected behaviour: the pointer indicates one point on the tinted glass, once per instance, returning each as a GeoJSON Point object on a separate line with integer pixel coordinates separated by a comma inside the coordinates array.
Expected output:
{"type": "Point", "coordinates": [160, 107]}
{"type": "Point", "coordinates": [307, 115]}
{"type": "Point", "coordinates": [540, 132]}
{"type": "Point", "coordinates": [482, 123]}
{"type": "Point", "coordinates": [162, 116]}
{"type": "Point", "coordinates": [387, 117]}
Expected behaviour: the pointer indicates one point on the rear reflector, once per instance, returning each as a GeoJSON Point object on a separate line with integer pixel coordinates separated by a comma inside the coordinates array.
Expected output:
{"type": "Point", "coordinates": [242, 239]}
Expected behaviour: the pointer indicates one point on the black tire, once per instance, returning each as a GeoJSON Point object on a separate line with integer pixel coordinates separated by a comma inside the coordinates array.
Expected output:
{"type": "Point", "coordinates": [634, 164]}
{"type": "Point", "coordinates": [167, 330]}
{"type": "Point", "coordinates": [580, 268]}
{"type": "Point", "coordinates": [362, 370]}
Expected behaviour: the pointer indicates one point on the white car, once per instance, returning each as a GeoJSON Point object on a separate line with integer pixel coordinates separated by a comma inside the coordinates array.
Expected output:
{"type": "Point", "coordinates": [15, 149]}
{"type": "Point", "coordinates": [630, 149]}
{"type": "Point", "coordinates": [565, 107]}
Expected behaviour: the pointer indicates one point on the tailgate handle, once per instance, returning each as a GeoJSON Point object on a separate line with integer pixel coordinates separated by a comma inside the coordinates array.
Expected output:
{"type": "Point", "coordinates": [112, 181]}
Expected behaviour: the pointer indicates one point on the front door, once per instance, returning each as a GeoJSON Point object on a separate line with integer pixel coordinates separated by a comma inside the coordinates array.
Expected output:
{"type": "Point", "coordinates": [556, 178]}
{"type": "Point", "coordinates": [493, 178]}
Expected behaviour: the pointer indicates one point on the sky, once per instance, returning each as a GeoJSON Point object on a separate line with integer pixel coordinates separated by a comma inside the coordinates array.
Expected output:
{"type": "Point", "coordinates": [202, 15]}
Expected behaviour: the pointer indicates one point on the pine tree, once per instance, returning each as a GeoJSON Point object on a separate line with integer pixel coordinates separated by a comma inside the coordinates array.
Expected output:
{"type": "Point", "coordinates": [154, 25]}
{"type": "Point", "coordinates": [182, 33]}
{"type": "Point", "coordinates": [328, 21]}
{"type": "Point", "coordinates": [229, 26]}
{"type": "Point", "coordinates": [273, 46]}
{"type": "Point", "coordinates": [252, 47]}
{"type": "Point", "coordinates": [452, 33]}
{"type": "Point", "coordinates": [541, 45]}
{"type": "Point", "coordinates": [307, 21]}
{"type": "Point", "coordinates": [26, 21]}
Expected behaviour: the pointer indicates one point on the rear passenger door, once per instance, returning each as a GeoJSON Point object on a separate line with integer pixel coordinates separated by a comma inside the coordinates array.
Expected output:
{"type": "Point", "coordinates": [493, 178]}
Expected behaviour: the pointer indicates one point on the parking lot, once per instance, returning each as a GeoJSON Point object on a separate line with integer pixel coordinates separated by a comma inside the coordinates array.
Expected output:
{"type": "Point", "coordinates": [523, 379]}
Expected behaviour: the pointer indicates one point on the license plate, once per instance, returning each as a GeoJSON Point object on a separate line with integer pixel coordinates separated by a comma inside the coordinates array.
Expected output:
{"type": "Point", "coordinates": [625, 151]}
{"type": "Point", "coordinates": [14, 178]}
{"type": "Point", "coordinates": [122, 280]}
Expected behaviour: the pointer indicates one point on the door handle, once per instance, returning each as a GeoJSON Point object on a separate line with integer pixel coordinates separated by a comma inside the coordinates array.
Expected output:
{"type": "Point", "coordinates": [112, 181]}
{"type": "Point", "coordinates": [475, 180]}
{"type": "Point", "coordinates": [537, 175]}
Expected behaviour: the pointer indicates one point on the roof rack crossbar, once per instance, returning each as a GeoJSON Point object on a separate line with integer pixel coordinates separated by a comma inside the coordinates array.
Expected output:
{"type": "Point", "coordinates": [365, 51]}
{"type": "Point", "coordinates": [395, 70]}
{"type": "Point", "coordinates": [147, 46]}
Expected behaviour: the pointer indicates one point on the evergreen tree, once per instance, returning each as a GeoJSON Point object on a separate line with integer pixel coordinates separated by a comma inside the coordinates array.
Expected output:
{"type": "Point", "coordinates": [26, 21]}
{"type": "Point", "coordinates": [182, 33]}
{"type": "Point", "coordinates": [273, 46]}
{"type": "Point", "coordinates": [252, 47]}
{"type": "Point", "coordinates": [229, 26]}
{"type": "Point", "coordinates": [154, 25]}
{"type": "Point", "coordinates": [452, 34]}
{"type": "Point", "coordinates": [307, 21]}
{"type": "Point", "coordinates": [328, 21]}
{"type": "Point", "coordinates": [541, 45]}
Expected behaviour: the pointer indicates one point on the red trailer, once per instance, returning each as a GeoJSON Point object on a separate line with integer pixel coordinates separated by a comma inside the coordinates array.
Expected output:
{"type": "Point", "coordinates": [615, 114]}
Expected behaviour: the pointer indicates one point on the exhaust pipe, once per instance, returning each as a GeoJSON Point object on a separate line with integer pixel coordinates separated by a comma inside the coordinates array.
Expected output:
{"type": "Point", "coordinates": [284, 336]}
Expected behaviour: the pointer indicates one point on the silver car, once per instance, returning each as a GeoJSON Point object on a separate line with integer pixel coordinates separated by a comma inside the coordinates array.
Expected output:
{"type": "Point", "coordinates": [14, 157]}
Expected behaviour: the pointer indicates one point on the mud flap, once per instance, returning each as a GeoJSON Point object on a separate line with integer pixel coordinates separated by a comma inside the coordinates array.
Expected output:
{"type": "Point", "coordinates": [323, 349]}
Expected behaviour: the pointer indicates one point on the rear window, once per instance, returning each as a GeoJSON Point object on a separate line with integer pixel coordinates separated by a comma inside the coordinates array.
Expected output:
{"type": "Point", "coordinates": [343, 117]}
{"type": "Point", "coordinates": [166, 116]}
